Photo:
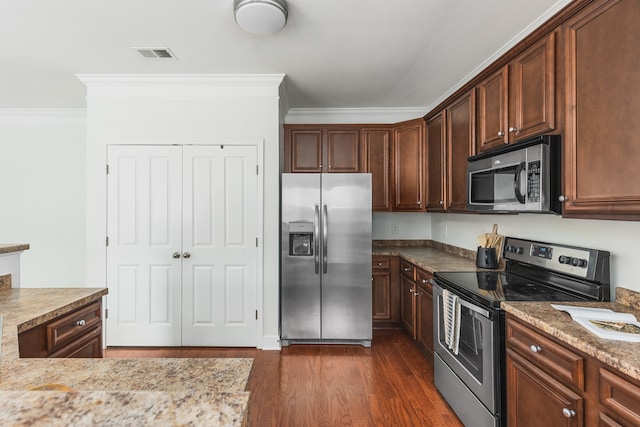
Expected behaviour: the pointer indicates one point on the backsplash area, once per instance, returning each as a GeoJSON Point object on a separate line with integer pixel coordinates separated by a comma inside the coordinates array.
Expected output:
{"type": "Point", "coordinates": [621, 238]}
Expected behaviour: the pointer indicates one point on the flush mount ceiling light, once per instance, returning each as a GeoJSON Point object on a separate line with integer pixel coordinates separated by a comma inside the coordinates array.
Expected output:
{"type": "Point", "coordinates": [260, 16]}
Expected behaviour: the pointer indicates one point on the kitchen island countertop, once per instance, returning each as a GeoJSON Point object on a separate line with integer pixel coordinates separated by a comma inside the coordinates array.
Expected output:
{"type": "Point", "coordinates": [109, 391]}
{"type": "Point", "coordinates": [619, 355]}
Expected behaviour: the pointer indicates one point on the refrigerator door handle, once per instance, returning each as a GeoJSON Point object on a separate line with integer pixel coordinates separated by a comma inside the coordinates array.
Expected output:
{"type": "Point", "coordinates": [325, 245]}
{"type": "Point", "coordinates": [316, 237]}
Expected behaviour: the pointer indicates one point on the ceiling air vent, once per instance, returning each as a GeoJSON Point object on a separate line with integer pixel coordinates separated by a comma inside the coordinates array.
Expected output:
{"type": "Point", "coordinates": [155, 52]}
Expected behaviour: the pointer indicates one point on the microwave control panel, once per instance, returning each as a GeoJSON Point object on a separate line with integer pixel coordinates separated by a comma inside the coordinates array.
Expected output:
{"type": "Point", "coordinates": [533, 181]}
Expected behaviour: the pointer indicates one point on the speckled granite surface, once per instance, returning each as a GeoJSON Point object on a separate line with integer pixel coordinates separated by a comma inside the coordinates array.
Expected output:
{"type": "Point", "coordinates": [428, 255]}
{"type": "Point", "coordinates": [6, 248]}
{"type": "Point", "coordinates": [53, 408]}
{"type": "Point", "coordinates": [25, 308]}
{"type": "Point", "coordinates": [620, 355]}
{"type": "Point", "coordinates": [208, 392]}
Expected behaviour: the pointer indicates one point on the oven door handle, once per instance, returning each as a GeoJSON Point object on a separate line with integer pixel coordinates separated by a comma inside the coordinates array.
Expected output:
{"type": "Point", "coordinates": [472, 307]}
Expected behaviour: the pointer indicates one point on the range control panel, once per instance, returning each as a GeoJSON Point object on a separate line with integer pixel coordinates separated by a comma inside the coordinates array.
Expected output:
{"type": "Point", "coordinates": [590, 264]}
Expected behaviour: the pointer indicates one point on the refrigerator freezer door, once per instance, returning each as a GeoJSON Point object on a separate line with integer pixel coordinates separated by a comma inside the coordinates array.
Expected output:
{"type": "Point", "coordinates": [300, 288]}
{"type": "Point", "coordinates": [346, 284]}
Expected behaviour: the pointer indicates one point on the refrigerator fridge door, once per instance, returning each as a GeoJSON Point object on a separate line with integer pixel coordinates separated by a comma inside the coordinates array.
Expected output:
{"type": "Point", "coordinates": [346, 254]}
{"type": "Point", "coordinates": [300, 288]}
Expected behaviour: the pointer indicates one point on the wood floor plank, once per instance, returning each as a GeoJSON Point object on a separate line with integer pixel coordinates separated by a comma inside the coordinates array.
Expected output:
{"type": "Point", "coordinates": [389, 384]}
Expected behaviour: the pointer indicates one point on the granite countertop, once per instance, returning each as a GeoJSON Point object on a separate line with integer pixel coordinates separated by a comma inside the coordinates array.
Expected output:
{"type": "Point", "coordinates": [208, 392]}
{"type": "Point", "coordinates": [619, 355]}
{"type": "Point", "coordinates": [6, 248]}
{"type": "Point", "coordinates": [429, 255]}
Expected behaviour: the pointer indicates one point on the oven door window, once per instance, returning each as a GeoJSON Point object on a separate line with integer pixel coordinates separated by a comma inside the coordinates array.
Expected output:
{"type": "Point", "coordinates": [495, 186]}
{"type": "Point", "coordinates": [470, 349]}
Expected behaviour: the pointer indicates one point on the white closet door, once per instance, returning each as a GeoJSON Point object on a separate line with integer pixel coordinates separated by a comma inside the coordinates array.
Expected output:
{"type": "Point", "coordinates": [144, 226]}
{"type": "Point", "coordinates": [220, 231]}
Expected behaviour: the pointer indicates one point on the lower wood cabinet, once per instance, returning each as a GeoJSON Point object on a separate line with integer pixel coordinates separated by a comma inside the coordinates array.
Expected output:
{"type": "Point", "coordinates": [424, 313]}
{"type": "Point", "coordinates": [549, 383]}
{"type": "Point", "coordinates": [408, 294]}
{"type": "Point", "coordinates": [75, 334]}
{"type": "Point", "coordinates": [385, 292]}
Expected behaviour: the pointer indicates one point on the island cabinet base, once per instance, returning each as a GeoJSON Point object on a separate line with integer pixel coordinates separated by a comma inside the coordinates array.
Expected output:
{"type": "Point", "coordinates": [552, 383]}
{"type": "Point", "coordinates": [75, 334]}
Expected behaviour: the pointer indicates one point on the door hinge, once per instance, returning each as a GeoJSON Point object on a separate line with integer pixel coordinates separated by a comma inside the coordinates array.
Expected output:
{"type": "Point", "coordinates": [107, 241]}
{"type": "Point", "coordinates": [256, 242]}
{"type": "Point", "coordinates": [106, 313]}
{"type": "Point", "coordinates": [257, 173]}
{"type": "Point", "coordinates": [107, 169]}
{"type": "Point", "coordinates": [256, 314]}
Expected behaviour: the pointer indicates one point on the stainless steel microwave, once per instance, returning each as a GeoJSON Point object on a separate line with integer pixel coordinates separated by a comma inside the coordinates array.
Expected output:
{"type": "Point", "coordinates": [520, 177]}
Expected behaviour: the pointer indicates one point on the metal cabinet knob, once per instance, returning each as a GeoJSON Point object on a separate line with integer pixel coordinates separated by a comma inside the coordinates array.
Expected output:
{"type": "Point", "coordinates": [176, 254]}
{"type": "Point", "coordinates": [425, 281]}
{"type": "Point", "coordinates": [442, 202]}
{"type": "Point", "coordinates": [569, 413]}
{"type": "Point", "coordinates": [535, 348]}
{"type": "Point", "coordinates": [380, 263]}
{"type": "Point", "coordinates": [186, 255]}
{"type": "Point", "coordinates": [513, 129]}
{"type": "Point", "coordinates": [563, 198]}
{"type": "Point", "coordinates": [416, 293]}
{"type": "Point", "coordinates": [500, 133]}
{"type": "Point", "coordinates": [80, 322]}
{"type": "Point", "coordinates": [406, 269]}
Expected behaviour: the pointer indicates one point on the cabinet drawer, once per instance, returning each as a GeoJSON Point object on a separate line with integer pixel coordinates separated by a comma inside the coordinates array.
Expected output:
{"type": "Point", "coordinates": [558, 361]}
{"type": "Point", "coordinates": [407, 269]}
{"type": "Point", "coordinates": [380, 263]}
{"type": "Point", "coordinates": [423, 279]}
{"type": "Point", "coordinates": [620, 397]}
{"type": "Point", "coordinates": [72, 326]}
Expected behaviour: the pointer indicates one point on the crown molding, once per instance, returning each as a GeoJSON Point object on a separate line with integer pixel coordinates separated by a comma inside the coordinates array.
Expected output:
{"type": "Point", "coordinates": [353, 115]}
{"type": "Point", "coordinates": [43, 117]}
{"type": "Point", "coordinates": [181, 85]}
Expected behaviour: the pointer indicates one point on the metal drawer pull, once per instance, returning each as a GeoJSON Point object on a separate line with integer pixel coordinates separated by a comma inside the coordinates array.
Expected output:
{"type": "Point", "coordinates": [80, 322]}
{"type": "Point", "coordinates": [425, 281]}
{"type": "Point", "coordinates": [569, 413]}
{"type": "Point", "coordinates": [407, 269]}
{"type": "Point", "coordinates": [535, 348]}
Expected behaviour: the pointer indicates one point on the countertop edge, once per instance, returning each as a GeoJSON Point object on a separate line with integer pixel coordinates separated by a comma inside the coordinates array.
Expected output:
{"type": "Point", "coordinates": [7, 248]}
{"type": "Point", "coordinates": [578, 341]}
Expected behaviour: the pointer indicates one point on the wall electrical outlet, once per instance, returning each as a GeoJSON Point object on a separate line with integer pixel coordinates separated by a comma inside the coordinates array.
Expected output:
{"type": "Point", "coordinates": [394, 228]}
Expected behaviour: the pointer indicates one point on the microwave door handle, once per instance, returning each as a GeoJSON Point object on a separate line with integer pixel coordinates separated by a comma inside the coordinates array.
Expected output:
{"type": "Point", "coordinates": [516, 182]}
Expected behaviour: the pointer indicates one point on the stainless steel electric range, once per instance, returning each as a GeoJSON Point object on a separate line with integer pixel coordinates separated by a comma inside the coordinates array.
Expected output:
{"type": "Point", "coordinates": [471, 374]}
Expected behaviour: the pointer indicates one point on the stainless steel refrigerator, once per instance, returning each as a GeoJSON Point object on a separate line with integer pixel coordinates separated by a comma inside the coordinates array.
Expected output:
{"type": "Point", "coordinates": [325, 292]}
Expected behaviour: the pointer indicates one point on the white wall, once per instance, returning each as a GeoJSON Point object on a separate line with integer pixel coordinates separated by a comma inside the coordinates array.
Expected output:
{"type": "Point", "coordinates": [401, 226]}
{"type": "Point", "coordinates": [42, 186]}
{"type": "Point", "coordinates": [186, 110]}
{"type": "Point", "coordinates": [621, 238]}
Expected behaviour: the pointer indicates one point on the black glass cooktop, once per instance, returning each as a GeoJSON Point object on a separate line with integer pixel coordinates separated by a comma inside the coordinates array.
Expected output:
{"type": "Point", "coordinates": [490, 288]}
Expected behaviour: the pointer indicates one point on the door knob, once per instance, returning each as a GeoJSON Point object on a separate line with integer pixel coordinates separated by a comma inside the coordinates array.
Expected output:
{"type": "Point", "coordinates": [176, 254]}
{"type": "Point", "coordinates": [186, 255]}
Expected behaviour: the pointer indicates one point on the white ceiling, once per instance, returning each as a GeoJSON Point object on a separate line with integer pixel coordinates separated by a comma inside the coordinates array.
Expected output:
{"type": "Point", "coordinates": [335, 53]}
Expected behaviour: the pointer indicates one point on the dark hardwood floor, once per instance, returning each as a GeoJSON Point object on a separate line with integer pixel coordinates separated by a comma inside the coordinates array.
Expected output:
{"type": "Point", "coordinates": [389, 384]}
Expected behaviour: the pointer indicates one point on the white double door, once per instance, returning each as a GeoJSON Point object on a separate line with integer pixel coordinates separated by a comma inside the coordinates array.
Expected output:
{"type": "Point", "coordinates": [182, 228]}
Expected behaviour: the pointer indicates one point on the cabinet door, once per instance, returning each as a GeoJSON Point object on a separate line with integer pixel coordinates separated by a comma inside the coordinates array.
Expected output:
{"type": "Point", "coordinates": [408, 167]}
{"type": "Point", "coordinates": [381, 292]}
{"type": "Point", "coordinates": [537, 399]}
{"type": "Point", "coordinates": [305, 151]}
{"type": "Point", "coordinates": [407, 304]}
{"type": "Point", "coordinates": [532, 95]}
{"type": "Point", "coordinates": [436, 163]}
{"type": "Point", "coordinates": [343, 151]}
{"type": "Point", "coordinates": [461, 127]}
{"type": "Point", "coordinates": [424, 314]}
{"type": "Point", "coordinates": [377, 150]}
{"type": "Point", "coordinates": [493, 110]}
{"type": "Point", "coordinates": [601, 149]}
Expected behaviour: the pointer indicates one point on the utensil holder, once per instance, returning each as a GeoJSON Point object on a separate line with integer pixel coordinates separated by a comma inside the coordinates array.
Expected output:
{"type": "Point", "coordinates": [486, 258]}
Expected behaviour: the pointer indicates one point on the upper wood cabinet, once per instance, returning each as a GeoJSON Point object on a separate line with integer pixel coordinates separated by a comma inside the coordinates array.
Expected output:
{"type": "Point", "coordinates": [408, 164]}
{"type": "Point", "coordinates": [436, 163]}
{"type": "Point", "coordinates": [518, 100]}
{"type": "Point", "coordinates": [460, 136]}
{"type": "Point", "coordinates": [602, 79]}
{"type": "Point", "coordinates": [376, 149]}
{"type": "Point", "coordinates": [318, 149]}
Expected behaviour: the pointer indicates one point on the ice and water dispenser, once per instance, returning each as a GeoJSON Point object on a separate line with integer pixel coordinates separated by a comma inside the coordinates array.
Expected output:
{"type": "Point", "coordinates": [301, 238]}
